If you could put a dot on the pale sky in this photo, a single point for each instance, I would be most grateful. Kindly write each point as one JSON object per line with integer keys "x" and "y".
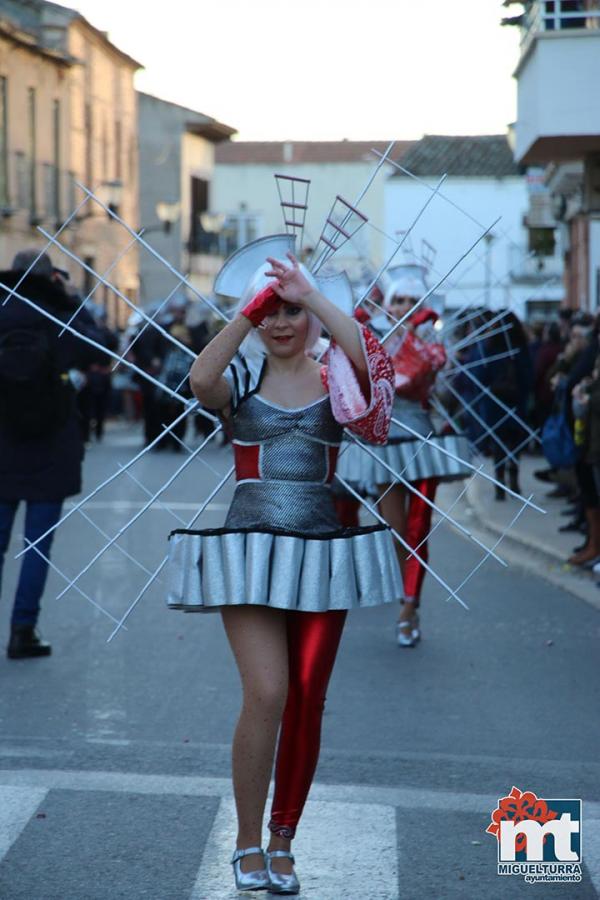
{"x": 323, "y": 69}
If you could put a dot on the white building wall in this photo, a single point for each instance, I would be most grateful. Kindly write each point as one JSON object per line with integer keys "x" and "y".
{"x": 553, "y": 99}
{"x": 451, "y": 232}
{"x": 252, "y": 188}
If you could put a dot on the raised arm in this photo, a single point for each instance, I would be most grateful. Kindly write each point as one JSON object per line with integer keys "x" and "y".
{"x": 295, "y": 288}
{"x": 206, "y": 375}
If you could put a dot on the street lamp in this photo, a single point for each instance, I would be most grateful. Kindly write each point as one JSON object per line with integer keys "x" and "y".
{"x": 168, "y": 214}
{"x": 111, "y": 194}
{"x": 489, "y": 237}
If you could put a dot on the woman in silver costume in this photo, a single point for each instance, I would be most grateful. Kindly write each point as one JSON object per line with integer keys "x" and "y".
{"x": 282, "y": 571}
{"x": 407, "y": 505}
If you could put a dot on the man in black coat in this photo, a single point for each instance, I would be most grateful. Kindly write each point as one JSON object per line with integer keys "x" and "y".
{"x": 41, "y": 446}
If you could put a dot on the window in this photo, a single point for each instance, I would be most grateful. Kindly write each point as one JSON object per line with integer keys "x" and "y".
{"x": 239, "y": 229}
{"x": 200, "y": 240}
{"x": 89, "y": 148}
{"x": 88, "y": 279}
{"x": 118, "y": 150}
{"x": 542, "y": 241}
{"x": 56, "y": 161}
{"x": 4, "y": 195}
{"x": 31, "y": 152}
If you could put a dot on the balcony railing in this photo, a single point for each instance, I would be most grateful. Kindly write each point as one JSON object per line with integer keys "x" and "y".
{"x": 541, "y": 16}
{"x": 529, "y": 268}
{"x": 45, "y": 193}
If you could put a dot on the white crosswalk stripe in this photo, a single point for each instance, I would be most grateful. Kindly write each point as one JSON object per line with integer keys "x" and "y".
{"x": 342, "y": 850}
{"x": 17, "y": 805}
{"x": 346, "y": 845}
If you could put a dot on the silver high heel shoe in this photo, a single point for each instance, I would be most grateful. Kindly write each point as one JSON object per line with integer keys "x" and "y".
{"x": 249, "y": 881}
{"x": 405, "y": 634}
{"x": 281, "y": 884}
{"x": 416, "y": 628}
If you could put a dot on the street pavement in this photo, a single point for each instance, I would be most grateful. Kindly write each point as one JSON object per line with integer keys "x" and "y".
{"x": 115, "y": 761}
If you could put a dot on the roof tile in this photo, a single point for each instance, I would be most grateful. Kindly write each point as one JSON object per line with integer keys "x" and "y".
{"x": 297, "y": 152}
{"x": 439, "y": 154}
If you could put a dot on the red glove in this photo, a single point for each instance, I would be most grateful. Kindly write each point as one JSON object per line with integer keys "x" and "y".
{"x": 361, "y": 315}
{"x": 265, "y": 303}
{"x": 424, "y": 314}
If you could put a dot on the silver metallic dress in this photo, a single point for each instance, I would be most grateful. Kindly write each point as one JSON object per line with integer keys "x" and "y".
{"x": 282, "y": 544}
{"x": 404, "y": 453}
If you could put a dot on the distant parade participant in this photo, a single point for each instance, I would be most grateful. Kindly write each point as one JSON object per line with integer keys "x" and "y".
{"x": 282, "y": 571}
{"x": 406, "y": 505}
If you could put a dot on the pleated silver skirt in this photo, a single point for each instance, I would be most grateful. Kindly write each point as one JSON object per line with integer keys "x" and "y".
{"x": 345, "y": 569}
{"x": 412, "y": 459}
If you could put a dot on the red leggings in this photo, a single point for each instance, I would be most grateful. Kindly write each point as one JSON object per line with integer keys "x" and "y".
{"x": 313, "y": 640}
{"x": 418, "y": 526}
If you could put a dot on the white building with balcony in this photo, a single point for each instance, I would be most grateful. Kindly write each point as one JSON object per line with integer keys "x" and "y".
{"x": 246, "y": 196}
{"x": 519, "y": 265}
{"x": 558, "y": 127}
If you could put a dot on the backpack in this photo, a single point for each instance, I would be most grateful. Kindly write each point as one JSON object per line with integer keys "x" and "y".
{"x": 35, "y": 396}
{"x": 558, "y": 444}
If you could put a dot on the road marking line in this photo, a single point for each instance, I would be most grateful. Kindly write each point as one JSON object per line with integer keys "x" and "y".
{"x": 351, "y": 848}
{"x": 17, "y": 805}
{"x": 198, "y": 786}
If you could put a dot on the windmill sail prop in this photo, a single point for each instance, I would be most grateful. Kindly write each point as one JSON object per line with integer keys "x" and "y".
{"x": 293, "y": 199}
{"x": 342, "y": 223}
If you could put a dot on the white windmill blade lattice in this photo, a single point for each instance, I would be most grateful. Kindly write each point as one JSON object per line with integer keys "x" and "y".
{"x": 113, "y": 477}
{"x": 341, "y": 224}
{"x": 495, "y": 357}
{"x": 140, "y": 513}
{"x": 106, "y": 537}
{"x": 10, "y": 292}
{"x": 188, "y": 284}
{"x": 91, "y": 271}
{"x": 400, "y": 244}
{"x": 89, "y": 296}
{"x": 428, "y": 253}
{"x": 438, "y": 284}
{"x": 463, "y": 462}
{"x": 161, "y": 566}
{"x": 293, "y": 198}
{"x": 147, "y": 322}
{"x": 342, "y": 228}
{"x": 82, "y": 593}
{"x": 503, "y": 534}
{"x": 404, "y": 238}
{"x": 374, "y": 512}
{"x": 105, "y": 350}
{"x": 397, "y": 165}
{"x": 499, "y": 282}
{"x": 492, "y": 397}
{"x": 399, "y": 479}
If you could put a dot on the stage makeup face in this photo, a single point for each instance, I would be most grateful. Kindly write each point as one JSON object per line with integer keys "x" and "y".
{"x": 284, "y": 333}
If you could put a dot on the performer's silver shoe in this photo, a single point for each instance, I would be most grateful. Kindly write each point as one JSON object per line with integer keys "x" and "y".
{"x": 281, "y": 884}
{"x": 250, "y": 881}
{"x": 405, "y": 633}
{"x": 416, "y": 628}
